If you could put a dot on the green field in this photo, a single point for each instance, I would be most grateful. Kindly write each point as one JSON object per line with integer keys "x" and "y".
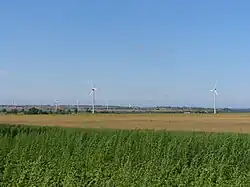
{"x": 53, "y": 156}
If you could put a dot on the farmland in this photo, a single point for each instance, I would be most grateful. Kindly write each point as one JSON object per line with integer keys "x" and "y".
{"x": 112, "y": 153}
{"x": 176, "y": 122}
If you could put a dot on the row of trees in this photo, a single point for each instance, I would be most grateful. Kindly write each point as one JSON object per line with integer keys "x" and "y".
{"x": 35, "y": 110}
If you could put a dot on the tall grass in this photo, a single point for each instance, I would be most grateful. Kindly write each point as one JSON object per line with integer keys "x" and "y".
{"x": 46, "y": 156}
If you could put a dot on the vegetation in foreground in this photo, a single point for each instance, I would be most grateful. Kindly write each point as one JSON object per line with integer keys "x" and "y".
{"x": 49, "y": 156}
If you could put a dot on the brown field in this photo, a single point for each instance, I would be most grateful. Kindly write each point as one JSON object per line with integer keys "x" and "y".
{"x": 176, "y": 122}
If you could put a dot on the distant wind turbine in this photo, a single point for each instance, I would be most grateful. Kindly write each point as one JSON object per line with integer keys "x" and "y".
{"x": 13, "y": 102}
{"x": 93, "y": 90}
{"x": 107, "y": 105}
{"x": 14, "y": 105}
{"x": 215, "y": 93}
{"x": 188, "y": 107}
{"x": 77, "y": 105}
{"x": 56, "y": 104}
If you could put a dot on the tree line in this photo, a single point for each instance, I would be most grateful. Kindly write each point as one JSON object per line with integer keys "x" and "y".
{"x": 35, "y": 110}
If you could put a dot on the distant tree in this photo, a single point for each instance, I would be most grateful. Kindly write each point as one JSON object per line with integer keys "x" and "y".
{"x": 60, "y": 111}
{"x": 69, "y": 111}
{"x": 226, "y": 110}
{"x": 14, "y": 111}
{"x": 76, "y": 110}
{"x": 88, "y": 110}
{"x": 4, "y": 110}
{"x": 64, "y": 111}
{"x": 43, "y": 112}
{"x": 33, "y": 110}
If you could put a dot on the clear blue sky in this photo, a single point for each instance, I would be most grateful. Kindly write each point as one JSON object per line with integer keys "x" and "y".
{"x": 136, "y": 51}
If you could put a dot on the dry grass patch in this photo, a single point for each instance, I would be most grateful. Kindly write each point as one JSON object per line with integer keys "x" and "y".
{"x": 183, "y": 122}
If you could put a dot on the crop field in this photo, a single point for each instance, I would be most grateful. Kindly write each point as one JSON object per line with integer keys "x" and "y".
{"x": 53, "y": 156}
{"x": 107, "y": 150}
{"x": 176, "y": 122}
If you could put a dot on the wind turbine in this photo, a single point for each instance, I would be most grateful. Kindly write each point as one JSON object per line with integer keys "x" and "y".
{"x": 107, "y": 105}
{"x": 13, "y": 102}
{"x": 93, "y": 90}
{"x": 14, "y": 105}
{"x": 214, "y": 90}
{"x": 77, "y": 105}
{"x": 188, "y": 107}
{"x": 56, "y": 104}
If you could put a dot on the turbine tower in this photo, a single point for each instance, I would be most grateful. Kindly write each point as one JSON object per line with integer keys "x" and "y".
{"x": 215, "y": 93}
{"x": 77, "y": 105}
{"x": 14, "y": 103}
{"x": 93, "y": 90}
{"x": 107, "y": 105}
{"x": 56, "y": 104}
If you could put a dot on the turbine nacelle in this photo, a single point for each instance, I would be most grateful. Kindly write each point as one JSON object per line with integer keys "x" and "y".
{"x": 215, "y": 91}
{"x": 92, "y": 90}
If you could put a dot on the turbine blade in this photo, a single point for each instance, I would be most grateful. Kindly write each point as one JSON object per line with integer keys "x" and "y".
{"x": 91, "y": 83}
{"x": 215, "y": 84}
{"x": 91, "y": 92}
{"x": 216, "y": 92}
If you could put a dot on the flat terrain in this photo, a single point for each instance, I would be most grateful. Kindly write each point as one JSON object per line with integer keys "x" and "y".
{"x": 178, "y": 122}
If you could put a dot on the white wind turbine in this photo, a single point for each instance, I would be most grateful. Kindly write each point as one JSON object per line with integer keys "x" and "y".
{"x": 107, "y": 105}
{"x": 56, "y": 104}
{"x": 14, "y": 103}
{"x": 77, "y": 105}
{"x": 93, "y": 90}
{"x": 215, "y": 93}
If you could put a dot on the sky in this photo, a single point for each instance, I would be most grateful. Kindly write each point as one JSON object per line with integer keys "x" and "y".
{"x": 138, "y": 52}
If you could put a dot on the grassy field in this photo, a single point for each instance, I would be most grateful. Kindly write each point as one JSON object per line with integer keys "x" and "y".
{"x": 53, "y": 156}
{"x": 177, "y": 122}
